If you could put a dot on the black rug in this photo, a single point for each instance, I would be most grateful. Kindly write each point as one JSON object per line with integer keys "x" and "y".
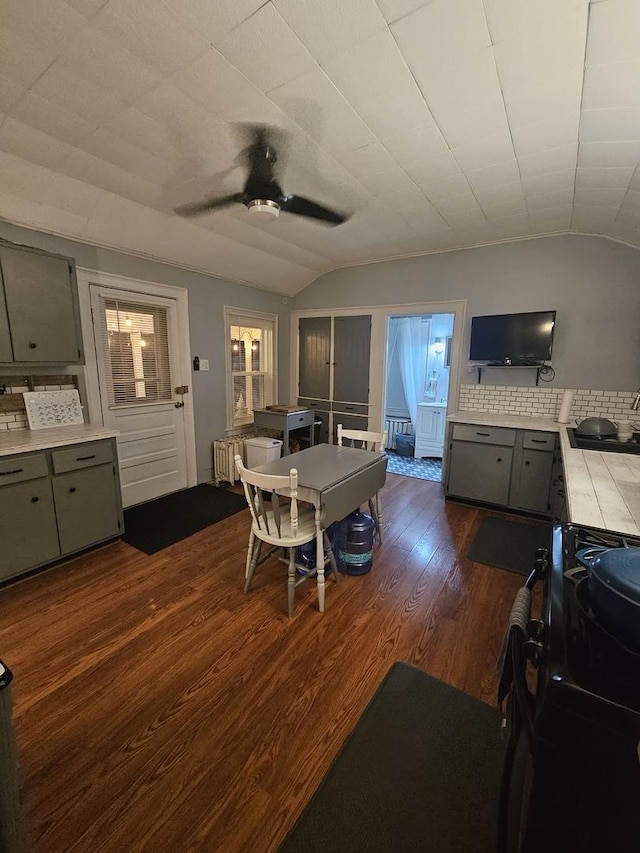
{"x": 420, "y": 772}
{"x": 509, "y": 545}
{"x": 155, "y": 525}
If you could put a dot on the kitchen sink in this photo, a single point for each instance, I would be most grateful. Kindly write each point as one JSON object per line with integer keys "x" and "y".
{"x": 604, "y": 444}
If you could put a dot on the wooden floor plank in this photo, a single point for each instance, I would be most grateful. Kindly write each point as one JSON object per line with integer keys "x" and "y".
{"x": 157, "y": 707}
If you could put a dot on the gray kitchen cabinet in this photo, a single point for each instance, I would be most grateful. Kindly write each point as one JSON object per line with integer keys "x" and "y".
{"x": 496, "y": 465}
{"x": 57, "y": 502}
{"x": 39, "y": 311}
{"x": 27, "y": 527}
{"x": 334, "y": 357}
{"x": 480, "y": 471}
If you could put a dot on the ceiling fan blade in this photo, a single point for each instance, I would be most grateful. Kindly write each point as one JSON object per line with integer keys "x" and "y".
{"x": 199, "y": 207}
{"x": 305, "y": 207}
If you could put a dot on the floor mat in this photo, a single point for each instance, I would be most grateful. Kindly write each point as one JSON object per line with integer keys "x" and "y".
{"x": 420, "y": 773}
{"x": 509, "y": 545}
{"x": 155, "y": 525}
{"x": 423, "y": 469}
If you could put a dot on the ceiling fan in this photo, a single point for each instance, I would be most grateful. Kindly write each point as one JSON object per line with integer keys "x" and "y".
{"x": 262, "y": 193}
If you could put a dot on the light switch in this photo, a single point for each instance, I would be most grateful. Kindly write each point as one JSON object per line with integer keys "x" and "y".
{"x": 204, "y": 364}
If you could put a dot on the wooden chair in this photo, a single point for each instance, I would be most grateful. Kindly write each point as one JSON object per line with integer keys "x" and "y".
{"x": 367, "y": 440}
{"x": 279, "y": 524}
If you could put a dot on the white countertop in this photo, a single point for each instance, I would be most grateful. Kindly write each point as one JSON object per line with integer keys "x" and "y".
{"x": 602, "y": 489}
{"x": 23, "y": 440}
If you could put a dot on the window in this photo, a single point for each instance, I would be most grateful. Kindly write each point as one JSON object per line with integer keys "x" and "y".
{"x": 251, "y": 348}
{"x": 136, "y": 344}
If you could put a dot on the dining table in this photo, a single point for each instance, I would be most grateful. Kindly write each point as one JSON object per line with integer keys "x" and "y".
{"x": 335, "y": 480}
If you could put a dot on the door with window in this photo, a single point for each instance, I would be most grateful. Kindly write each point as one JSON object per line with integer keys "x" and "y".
{"x": 140, "y": 389}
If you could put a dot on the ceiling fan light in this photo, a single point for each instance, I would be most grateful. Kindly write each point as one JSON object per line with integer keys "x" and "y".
{"x": 263, "y": 205}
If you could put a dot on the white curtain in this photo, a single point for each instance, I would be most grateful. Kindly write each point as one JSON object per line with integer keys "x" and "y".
{"x": 410, "y": 336}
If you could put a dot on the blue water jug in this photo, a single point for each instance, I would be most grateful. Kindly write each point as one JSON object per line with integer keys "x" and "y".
{"x": 355, "y": 543}
{"x": 306, "y": 554}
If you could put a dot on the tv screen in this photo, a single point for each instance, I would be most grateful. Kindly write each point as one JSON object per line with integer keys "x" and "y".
{"x": 513, "y": 338}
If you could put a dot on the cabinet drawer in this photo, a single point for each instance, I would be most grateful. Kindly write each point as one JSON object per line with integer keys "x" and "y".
{"x": 351, "y": 408}
{"x": 82, "y": 456}
{"x": 17, "y": 469}
{"x": 539, "y": 440}
{"x": 484, "y": 434}
{"x": 319, "y": 405}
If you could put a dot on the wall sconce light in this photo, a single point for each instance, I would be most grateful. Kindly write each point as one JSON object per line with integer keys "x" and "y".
{"x": 438, "y": 346}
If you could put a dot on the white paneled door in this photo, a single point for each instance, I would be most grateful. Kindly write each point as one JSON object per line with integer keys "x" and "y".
{"x": 138, "y": 365}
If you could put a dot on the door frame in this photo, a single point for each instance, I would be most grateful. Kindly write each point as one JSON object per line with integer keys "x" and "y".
{"x": 139, "y": 287}
{"x": 380, "y": 316}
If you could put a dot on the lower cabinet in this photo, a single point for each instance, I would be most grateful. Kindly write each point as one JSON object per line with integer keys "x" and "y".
{"x": 430, "y": 430}
{"x": 507, "y": 467}
{"x": 69, "y": 500}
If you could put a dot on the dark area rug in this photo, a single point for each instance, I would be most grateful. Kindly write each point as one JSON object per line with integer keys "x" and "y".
{"x": 509, "y": 545}
{"x": 155, "y": 525}
{"x": 420, "y": 772}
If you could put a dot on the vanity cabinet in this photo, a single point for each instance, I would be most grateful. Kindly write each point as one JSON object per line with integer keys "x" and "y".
{"x": 56, "y": 502}
{"x": 430, "y": 430}
{"x": 39, "y": 309}
{"x": 511, "y": 468}
{"x": 333, "y": 371}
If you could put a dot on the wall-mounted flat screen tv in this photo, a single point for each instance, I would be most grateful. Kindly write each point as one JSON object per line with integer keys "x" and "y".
{"x": 513, "y": 338}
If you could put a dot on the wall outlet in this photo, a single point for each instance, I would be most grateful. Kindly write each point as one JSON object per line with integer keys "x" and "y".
{"x": 204, "y": 364}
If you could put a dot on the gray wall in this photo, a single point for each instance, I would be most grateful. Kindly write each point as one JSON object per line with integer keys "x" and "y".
{"x": 207, "y": 297}
{"x": 592, "y": 283}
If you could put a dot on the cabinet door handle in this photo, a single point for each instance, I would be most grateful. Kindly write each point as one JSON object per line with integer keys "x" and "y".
{"x": 72, "y": 489}
{"x": 528, "y": 462}
{"x": 32, "y": 345}
{"x": 499, "y": 459}
{"x": 13, "y": 471}
{"x": 538, "y": 441}
{"x": 487, "y": 434}
{"x": 34, "y": 500}
{"x": 85, "y": 458}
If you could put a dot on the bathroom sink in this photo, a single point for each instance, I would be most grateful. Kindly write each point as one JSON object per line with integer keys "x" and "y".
{"x": 611, "y": 445}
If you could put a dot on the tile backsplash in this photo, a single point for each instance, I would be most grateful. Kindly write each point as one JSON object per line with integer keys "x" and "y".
{"x": 12, "y": 411}
{"x": 545, "y": 402}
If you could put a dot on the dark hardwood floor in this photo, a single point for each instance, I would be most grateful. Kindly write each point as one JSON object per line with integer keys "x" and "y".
{"x": 159, "y": 708}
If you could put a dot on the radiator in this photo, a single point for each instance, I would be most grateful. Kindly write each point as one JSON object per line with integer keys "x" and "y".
{"x": 394, "y": 427}
{"x": 224, "y": 450}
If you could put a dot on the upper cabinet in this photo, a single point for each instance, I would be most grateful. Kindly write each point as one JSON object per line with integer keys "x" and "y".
{"x": 39, "y": 313}
{"x": 348, "y": 370}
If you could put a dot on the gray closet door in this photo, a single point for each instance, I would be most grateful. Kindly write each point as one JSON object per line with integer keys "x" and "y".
{"x": 40, "y": 304}
{"x": 315, "y": 350}
{"x": 6, "y": 353}
{"x": 352, "y": 345}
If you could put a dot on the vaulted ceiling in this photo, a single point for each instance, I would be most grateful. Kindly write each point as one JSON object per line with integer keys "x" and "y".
{"x": 438, "y": 124}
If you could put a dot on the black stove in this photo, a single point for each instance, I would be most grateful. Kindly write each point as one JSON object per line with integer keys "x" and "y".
{"x": 572, "y": 778}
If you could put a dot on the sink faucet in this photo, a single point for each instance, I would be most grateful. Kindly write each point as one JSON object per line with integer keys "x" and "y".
{"x": 636, "y": 401}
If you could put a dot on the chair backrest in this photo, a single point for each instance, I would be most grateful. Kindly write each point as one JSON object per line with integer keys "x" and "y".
{"x": 256, "y": 484}
{"x": 361, "y": 438}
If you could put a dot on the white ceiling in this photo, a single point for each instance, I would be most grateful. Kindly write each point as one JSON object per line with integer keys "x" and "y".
{"x": 438, "y": 123}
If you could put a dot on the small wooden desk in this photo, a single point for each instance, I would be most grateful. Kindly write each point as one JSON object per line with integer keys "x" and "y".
{"x": 336, "y": 480}
{"x": 285, "y": 422}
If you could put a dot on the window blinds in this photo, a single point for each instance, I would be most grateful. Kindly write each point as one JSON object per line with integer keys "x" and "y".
{"x": 135, "y": 345}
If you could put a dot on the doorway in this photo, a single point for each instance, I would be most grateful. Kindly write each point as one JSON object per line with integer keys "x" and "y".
{"x": 138, "y": 367}
{"x": 417, "y": 392}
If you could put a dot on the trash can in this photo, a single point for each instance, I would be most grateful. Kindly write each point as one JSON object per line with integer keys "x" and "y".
{"x": 261, "y": 450}
{"x": 405, "y": 445}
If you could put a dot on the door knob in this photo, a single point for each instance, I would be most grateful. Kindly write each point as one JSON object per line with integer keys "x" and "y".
{"x": 179, "y": 405}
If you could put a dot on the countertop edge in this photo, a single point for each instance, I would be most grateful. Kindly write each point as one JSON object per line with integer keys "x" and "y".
{"x": 27, "y": 440}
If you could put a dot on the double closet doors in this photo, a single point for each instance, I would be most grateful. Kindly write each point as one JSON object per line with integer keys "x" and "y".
{"x": 333, "y": 371}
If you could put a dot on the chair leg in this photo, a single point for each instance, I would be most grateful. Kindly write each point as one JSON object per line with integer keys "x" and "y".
{"x": 252, "y": 566}
{"x": 375, "y": 508}
{"x": 252, "y": 539}
{"x": 291, "y": 584}
{"x": 330, "y": 557}
{"x": 320, "y": 562}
